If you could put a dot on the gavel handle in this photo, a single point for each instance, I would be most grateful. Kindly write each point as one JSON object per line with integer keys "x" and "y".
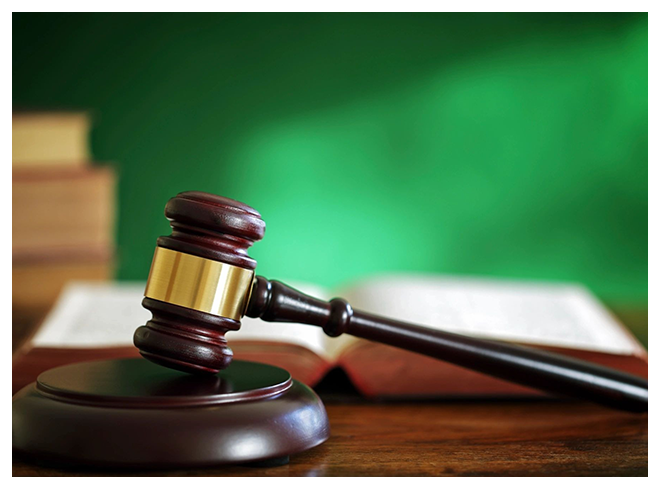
{"x": 277, "y": 302}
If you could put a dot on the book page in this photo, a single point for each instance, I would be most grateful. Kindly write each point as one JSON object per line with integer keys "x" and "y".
{"x": 95, "y": 315}
{"x": 561, "y": 315}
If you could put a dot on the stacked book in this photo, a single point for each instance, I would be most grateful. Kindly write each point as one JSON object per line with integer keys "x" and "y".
{"x": 62, "y": 209}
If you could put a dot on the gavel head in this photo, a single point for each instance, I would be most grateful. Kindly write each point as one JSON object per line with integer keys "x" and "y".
{"x": 200, "y": 282}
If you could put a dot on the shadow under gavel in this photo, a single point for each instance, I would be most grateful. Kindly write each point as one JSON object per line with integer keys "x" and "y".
{"x": 202, "y": 282}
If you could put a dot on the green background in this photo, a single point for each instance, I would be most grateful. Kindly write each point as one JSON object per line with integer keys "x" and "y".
{"x": 509, "y": 145}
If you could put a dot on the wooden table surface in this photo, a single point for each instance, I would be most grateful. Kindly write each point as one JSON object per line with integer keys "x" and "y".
{"x": 441, "y": 438}
{"x": 532, "y": 438}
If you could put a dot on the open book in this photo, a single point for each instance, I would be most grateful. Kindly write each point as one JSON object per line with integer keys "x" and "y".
{"x": 564, "y": 318}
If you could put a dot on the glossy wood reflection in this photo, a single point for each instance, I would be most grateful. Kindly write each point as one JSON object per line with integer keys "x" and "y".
{"x": 541, "y": 438}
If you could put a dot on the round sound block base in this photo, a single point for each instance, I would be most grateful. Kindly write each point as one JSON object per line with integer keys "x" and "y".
{"x": 131, "y": 413}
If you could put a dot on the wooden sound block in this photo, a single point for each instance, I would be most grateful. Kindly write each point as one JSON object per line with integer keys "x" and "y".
{"x": 133, "y": 413}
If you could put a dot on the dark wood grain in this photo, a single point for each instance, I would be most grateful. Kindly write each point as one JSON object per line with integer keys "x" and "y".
{"x": 542, "y": 438}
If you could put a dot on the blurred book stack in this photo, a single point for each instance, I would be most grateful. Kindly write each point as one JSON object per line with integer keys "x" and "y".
{"x": 62, "y": 208}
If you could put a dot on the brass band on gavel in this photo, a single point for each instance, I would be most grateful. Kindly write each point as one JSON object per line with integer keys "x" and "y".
{"x": 199, "y": 283}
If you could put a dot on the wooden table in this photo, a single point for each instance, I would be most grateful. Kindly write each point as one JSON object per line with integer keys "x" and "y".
{"x": 533, "y": 438}
{"x": 489, "y": 438}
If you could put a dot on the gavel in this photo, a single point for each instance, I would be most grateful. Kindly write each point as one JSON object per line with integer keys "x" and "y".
{"x": 202, "y": 282}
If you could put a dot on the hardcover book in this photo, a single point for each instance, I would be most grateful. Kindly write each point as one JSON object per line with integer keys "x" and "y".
{"x": 95, "y": 320}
